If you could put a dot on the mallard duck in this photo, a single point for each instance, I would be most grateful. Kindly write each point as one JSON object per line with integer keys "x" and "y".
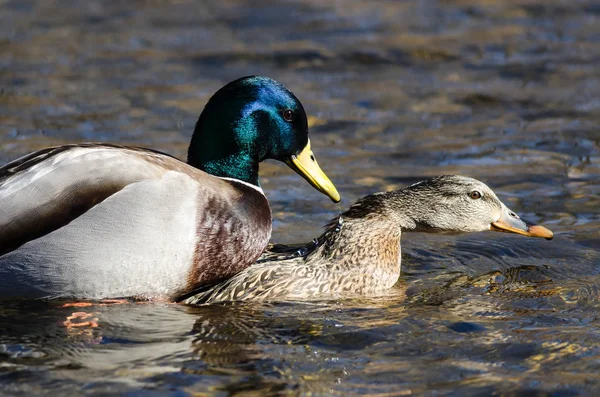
{"x": 101, "y": 221}
{"x": 359, "y": 252}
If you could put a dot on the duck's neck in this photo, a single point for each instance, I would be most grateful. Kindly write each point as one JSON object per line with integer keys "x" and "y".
{"x": 238, "y": 166}
{"x": 226, "y": 149}
{"x": 364, "y": 242}
{"x": 367, "y": 250}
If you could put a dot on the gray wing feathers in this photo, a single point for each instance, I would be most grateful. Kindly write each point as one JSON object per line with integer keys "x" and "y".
{"x": 155, "y": 226}
{"x": 52, "y": 192}
{"x": 99, "y": 221}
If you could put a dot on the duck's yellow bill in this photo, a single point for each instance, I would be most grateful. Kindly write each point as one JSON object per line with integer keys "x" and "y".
{"x": 305, "y": 164}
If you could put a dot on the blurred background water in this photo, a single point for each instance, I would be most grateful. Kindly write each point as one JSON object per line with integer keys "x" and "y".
{"x": 506, "y": 92}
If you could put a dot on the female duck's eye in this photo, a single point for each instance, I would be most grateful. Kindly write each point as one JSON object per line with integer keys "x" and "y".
{"x": 288, "y": 115}
{"x": 475, "y": 195}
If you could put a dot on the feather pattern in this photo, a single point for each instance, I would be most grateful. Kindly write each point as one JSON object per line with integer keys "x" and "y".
{"x": 359, "y": 252}
{"x": 167, "y": 213}
{"x": 103, "y": 221}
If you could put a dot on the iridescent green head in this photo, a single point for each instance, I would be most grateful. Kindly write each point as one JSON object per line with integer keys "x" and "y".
{"x": 250, "y": 120}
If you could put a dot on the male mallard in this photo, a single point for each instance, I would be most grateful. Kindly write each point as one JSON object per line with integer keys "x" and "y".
{"x": 99, "y": 221}
{"x": 359, "y": 253}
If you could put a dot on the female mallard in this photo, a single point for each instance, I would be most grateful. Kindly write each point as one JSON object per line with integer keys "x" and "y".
{"x": 361, "y": 255}
{"x": 98, "y": 221}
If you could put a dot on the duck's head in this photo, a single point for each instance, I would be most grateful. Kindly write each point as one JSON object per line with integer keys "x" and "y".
{"x": 449, "y": 204}
{"x": 250, "y": 120}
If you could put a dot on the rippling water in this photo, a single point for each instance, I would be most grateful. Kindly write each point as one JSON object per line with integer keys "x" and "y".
{"x": 507, "y": 92}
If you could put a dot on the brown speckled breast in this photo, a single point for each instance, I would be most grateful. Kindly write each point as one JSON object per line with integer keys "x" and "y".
{"x": 234, "y": 228}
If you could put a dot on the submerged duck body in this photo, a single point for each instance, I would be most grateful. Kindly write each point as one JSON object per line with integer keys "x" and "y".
{"x": 100, "y": 221}
{"x": 359, "y": 253}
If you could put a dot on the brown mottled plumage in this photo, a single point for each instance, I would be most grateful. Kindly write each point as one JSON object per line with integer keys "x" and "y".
{"x": 359, "y": 253}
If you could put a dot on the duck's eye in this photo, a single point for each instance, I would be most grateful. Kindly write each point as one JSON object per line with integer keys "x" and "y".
{"x": 475, "y": 195}
{"x": 288, "y": 115}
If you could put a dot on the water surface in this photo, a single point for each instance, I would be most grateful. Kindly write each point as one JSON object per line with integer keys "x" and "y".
{"x": 506, "y": 92}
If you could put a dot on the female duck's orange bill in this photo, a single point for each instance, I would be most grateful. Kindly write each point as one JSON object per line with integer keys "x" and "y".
{"x": 511, "y": 223}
